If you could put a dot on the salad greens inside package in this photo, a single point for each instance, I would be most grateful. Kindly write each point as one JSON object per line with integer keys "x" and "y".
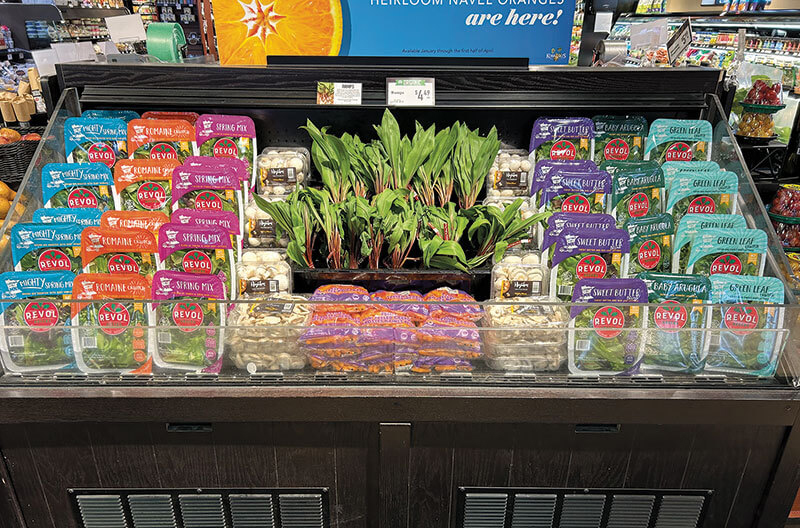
{"x": 190, "y": 334}
{"x": 144, "y": 185}
{"x": 741, "y": 340}
{"x": 559, "y": 222}
{"x": 651, "y": 244}
{"x": 637, "y": 194}
{"x": 586, "y": 254}
{"x": 545, "y": 167}
{"x": 225, "y": 136}
{"x": 223, "y": 165}
{"x": 125, "y": 115}
{"x": 32, "y": 329}
{"x": 702, "y": 193}
{"x": 729, "y": 251}
{"x": 110, "y": 334}
{"x": 606, "y": 339}
{"x": 223, "y": 219}
{"x": 572, "y": 192}
{"x": 89, "y": 140}
{"x": 65, "y": 215}
{"x": 619, "y": 138}
{"x": 673, "y": 168}
{"x": 119, "y": 251}
{"x": 46, "y": 247}
{"x": 77, "y": 186}
{"x": 160, "y": 139}
{"x": 149, "y": 221}
{"x": 569, "y": 138}
{"x": 613, "y": 167}
{"x": 194, "y": 188}
{"x": 690, "y": 225}
{"x": 679, "y": 140}
{"x": 676, "y": 327}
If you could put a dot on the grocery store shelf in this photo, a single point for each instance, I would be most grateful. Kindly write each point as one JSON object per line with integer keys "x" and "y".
{"x": 92, "y": 12}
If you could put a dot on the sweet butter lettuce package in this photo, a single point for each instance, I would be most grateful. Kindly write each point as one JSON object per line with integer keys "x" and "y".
{"x": 89, "y": 140}
{"x": 651, "y": 244}
{"x": 65, "y": 215}
{"x": 559, "y": 222}
{"x": 144, "y": 185}
{"x": 568, "y": 138}
{"x": 570, "y": 192}
{"x": 160, "y": 139}
{"x": 77, "y": 186}
{"x": 119, "y": 251}
{"x": 545, "y": 167}
{"x": 46, "y": 247}
{"x": 226, "y": 136}
{"x": 636, "y": 194}
{"x": 150, "y": 221}
{"x": 703, "y": 193}
{"x": 690, "y": 225}
{"x": 730, "y": 251}
{"x": 679, "y": 140}
{"x": 619, "y": 138}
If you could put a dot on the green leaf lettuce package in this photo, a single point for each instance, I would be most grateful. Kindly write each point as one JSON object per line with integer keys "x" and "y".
{"x": 690, "y": 225}
{"x": 702, "y": 193}
{"x": 679, "y": 140}
{"x": 728, "y": 251}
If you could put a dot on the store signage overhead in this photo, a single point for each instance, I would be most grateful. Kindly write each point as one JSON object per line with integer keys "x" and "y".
{"x": 410, "y": 92}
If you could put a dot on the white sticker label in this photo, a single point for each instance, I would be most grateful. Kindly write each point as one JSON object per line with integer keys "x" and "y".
{"x": 334, "y": 93}
{"x": 410, "y": 92}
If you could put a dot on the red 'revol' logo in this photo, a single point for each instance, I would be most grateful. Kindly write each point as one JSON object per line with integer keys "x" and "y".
{"x": 617, "y": 150}
{"x": 81, "y": 198}
{"x": 163, "y": 151}
{"x": 741, "y": 319}
{"x": 54, "y": 260}
{"x": 122, "y": 264}
{"x": 187, "y": 315}
{"x": 101, "y": 153}
{"x": 591, "y": 267}
{"x": 608, "y": 322}
{"x": 196, "y": 262}
{"x": 225, "y": 148}
{"x": 649, "y": 254}
{"x": 563, "y": 150}
{"x": 151, "y": 196}
{"x": 208, "y": 201}
{"x": 679, "y": 152}
{"x": 113, "y": 318}
{"x": 638, "y": 205}
{"x": 40, "y": 316}
{"x": 702, "y": 205}
{"x": 726, "y": 263}
{"x": 670, "y": 316}
{"x": 576, "y": 203}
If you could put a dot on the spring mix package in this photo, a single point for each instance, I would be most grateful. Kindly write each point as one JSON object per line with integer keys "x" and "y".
{"x": 225, "y": 136}
{"x": 190, "y": 334}
{"x": 144, "y": 184}
{"x": 651, "y": 244}
{"x": 110, "y": 334}
{"x": 676, "y": 327}
{"x": 224, "y": 219}
{"x": 568, "y": 138}
{"x": 118, "y": 251}
{"x": 636, "y": 194}
{"x": 65, "y": 215}
{"x": 619, "y": 138}
{"x": 690, "y": 225}
{"x": 729, "y": 251}
{"x": 32, "y": 333}
{"x": 206, "y": 191}
{"x": 703, "y": 193}
{"x": 223, "y": 165}
{"x": 147, "y": 220}
{"x": 95, "y": 140}
{"x": 545, "y": 167}
{"x": 740, "y": 341}
{"x": 160, "y": 139}
{"x": 679, "y": 140}
{"x": 605, "y": 331}
{"x": 77, "y": 186}
{"x": 46, "y": 247}
{"x": 125, "y": 115}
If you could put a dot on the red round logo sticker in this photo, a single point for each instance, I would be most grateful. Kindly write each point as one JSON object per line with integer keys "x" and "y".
{"x": 649, "y": 254}
{"x": 163, "y": 151}
{"x": 40, "y": 316}
{"x": 208, "y": 201}
{"x": 702, "y": 205}
{"x": 591, "y": 267}
{"x": 670, "y": 316}
{"x": 563, "y": 150}
{"x": 113, "y": 318}
{"x": 741, "y": 319}
{"x": 187, "y": 315}
{"x": 576, "y": 203}
{"x": 151, "y": 196}
{"x": 608, "y": 322}
{"x": 54, "y": 260}
{"x": 679, "y": 152}
{"x": 617, "y": 150}
{"x": 638, "y": 205}
{"x": 101, "y": 153}
{"x": 726, "y": 263}
{"x": 196, "y": 262}
{"x": 81, "y": 198}
{"x": 225, "y": 148}
{"x": 122, "y": 264}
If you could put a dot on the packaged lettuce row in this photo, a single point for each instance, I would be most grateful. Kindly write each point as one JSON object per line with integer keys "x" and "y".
{"x": 65, "y": 215}
{"x": 676, "y": 328}
{"x": 545, "y": 167}
{"x": 46, "y": 247}
{"x": 226, "y": 136}
{"x": 147, "y": 220}
{"x": 194, "y": 188}
{"x": 568, "y": 138}
{"x": 570, "y": 192}
{"x": 690, "y": 225}
{"x": 679, "y": 140}
{"x": 190, "y": 333}
{"x": 673, "y": 168}
{"x": 559, "y": 222}
{"x": 223, "y": 165}
{"x": 224, "y": 219}
{"x": 89, "y": 140}
{"x": 606, "y": 340}
{"x": 702, "y": 193}
{"x": 613, "y": 167}
{"x": 160, "y": 139}
{"x": 144, "y": 185}
{"x": 619, "y": 138}
{"x": 637, "y": 194}
{"x": 586, "y": 254}
{"x": 33, "y": 336}
{"x": 651, "y": 244}
{"x": 77, "y": 186}
{"x": 125, "y": 115}
{"x": 110, "y": 334}
{"x": 728, "y": 251}
{"x": 118, "y": 251}
{"x": 204, "y": 250}
{"x": 740, "y": 340}
{"x": 189, "y": 117}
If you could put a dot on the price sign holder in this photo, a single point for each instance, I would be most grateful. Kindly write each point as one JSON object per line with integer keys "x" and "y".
{"x": 680, "y": 41}
{"x": 410, "y": 92}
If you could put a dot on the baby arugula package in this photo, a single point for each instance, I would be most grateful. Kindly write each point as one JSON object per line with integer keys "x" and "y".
{"x": 160, "y": 139}
{"x": 190, "y": 334}
{"x": 65, "y": 215}
{"x": 690, "y": 225}
{"x": 46, "y": 247}
{"x": 619, "y": 138}
{"x": 545, "y": 167}
{"x": 77, "y": 186}
{"x": 34, "y": 333}
{"x": 605, "y": 327}
{"x": 568, "y": 138}
{"x": 225, "y": 136}
{"x": 144, "y": 185}
{"x": 679, "y": 140}
{"x": 703, "y": 193}
{"x": 651, "y": 244}
{"x": 636, "y": 194}
{"x": 728, "y": 251}
{"x": 615, "y": 167}
{"x": 95, "y": 140}
{"x": 118, "y": 251}
{"x": 149, "y": 221}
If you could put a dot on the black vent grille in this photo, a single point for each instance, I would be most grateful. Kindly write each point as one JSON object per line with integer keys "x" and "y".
{"x": 252, "y": 511}
{"x": 301, "y": 510}
{"x": 485, "y": 510}
{"x": 152, "y": 511}
{"x": 102, "y": 511}
{"x": 680, "y": 512}
{"x": 533, "y": 511}
{"x": 631, "y": 511}
{"x": 582, "y": 511}
{"x": 202, "y": 511}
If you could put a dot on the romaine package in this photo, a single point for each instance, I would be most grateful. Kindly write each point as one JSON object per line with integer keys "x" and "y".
{"x": 46, "y": 247}
{"x": 673, "y": 168}
{"x": 144, "y": 185}
{"x": 567, "y": 138}
{"x": 570, "y": 192}
{"x": 147, "y": 220}
{"x": 586, "y": 254}
{"x": 651, "y": 244}
{"x": 190, "y": 333}
{"x": 702, "y": 193}
{"x": 545, "y": 167}
{"x": 606, "y": 340}
{"x": 636, "y": 194}
{"x": 110, "y": 333}
{"x": 160, "y": 139}
{"x": 189, "y": 117}
{"x": 77, "y": 186}
{"x": 679, "y": 140}
{"x": 33, "y": 336}
{"x": 125, "y": 115}
{"x": 740, "y": 341}
{"x": 676, "y": 328}
{"x": 89, "y": 140}
{"x": 619, "y": 138}
{"x": 118, "y": 251}
{"x": 225, "y": 136}
{"x": 559, "y": 222}
{"x": 65, "y": 215}
{"x": 690, "y": 225}
{"x": 728, "y": 251}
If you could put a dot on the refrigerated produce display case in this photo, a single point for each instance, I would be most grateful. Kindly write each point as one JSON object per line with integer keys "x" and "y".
{"x": 342, "y": 400}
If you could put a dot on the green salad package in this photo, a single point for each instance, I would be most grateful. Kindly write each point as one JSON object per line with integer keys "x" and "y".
{"x": 679, "y": 140}
{"x": 690, "y": 225}
{"x": 34, "y": 326}
{"x": 161, "y": 139}
{"x": 190, "y": 334}
{"x": 728, "y": 251}
{"x": 144, "y": 185}
{"x": 124, "y": 115}
{"x": 651, "y": 244}
{"x": 46, "y": 247}
{"x": 225, "y": 136}
{"x": 619, "y": 138}
{"x": 673, "y": 168}
{"x": 119, "y": 251}
{"x": 207, "y": 190}
{"x": 615, "y": 167}
{"x": 636, "y": 194}
{"x": 702, "y": 193}
{"x": 77, "y": 186}
{"x": 568, "y": 138}
{"x": 65, "y": 215}
{"x": 88, "y": 140}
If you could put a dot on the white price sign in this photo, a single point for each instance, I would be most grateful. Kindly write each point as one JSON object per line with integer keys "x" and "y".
{"x": 410, "y": 92}
{"x": 680, "y": 41}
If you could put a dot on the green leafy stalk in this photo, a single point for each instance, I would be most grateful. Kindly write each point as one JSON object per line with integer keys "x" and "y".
{"x": 430, "y": 171}
{"x": 356, "y": 216}
{"x": 492, "y": 231}
{"x": 472, "y": 158}
{"x": 297, "y": 219}
{"x": 332, "y": 161}
{"x": 328, "y": 217}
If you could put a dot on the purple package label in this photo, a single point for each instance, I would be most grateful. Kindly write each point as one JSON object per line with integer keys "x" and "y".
{"x": 210, "y": 126}
{"x": 339, "y": 297}
{"x": 205, "y": 163}
{"x": 188, "y": 179}
{"x": 573, "y": 241}
{"x": 548, "y": 128}
{"x": 617, "y": 291}
{"x": 559, "y": 222}
{"x": 174, "y": 237}
{"x": 545, "y": 167}
{"x": 560, "y": 182}
{"x": 396, "y": 336}
{"x": 224, "y": 219}
{"x": 330, "y": 333}
{"x": 172, "y": 284}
